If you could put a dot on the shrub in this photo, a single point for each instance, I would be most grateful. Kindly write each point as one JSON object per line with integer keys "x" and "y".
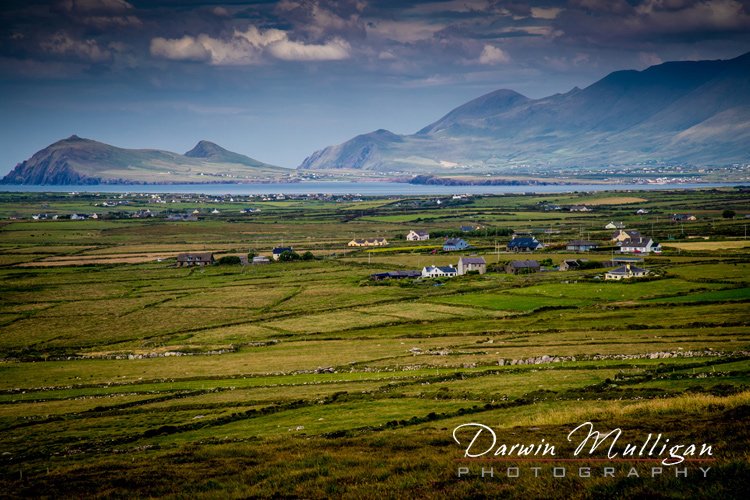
{"x": 229, "y": 260}
{"x": 289, "y": 256}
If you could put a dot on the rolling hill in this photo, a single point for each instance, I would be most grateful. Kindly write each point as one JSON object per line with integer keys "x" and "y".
{"x": 83, "y": 161}
{"x": 692, "y": 112}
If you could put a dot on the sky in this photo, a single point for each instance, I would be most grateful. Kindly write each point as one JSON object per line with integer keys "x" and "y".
{"x": 279, "y": 80}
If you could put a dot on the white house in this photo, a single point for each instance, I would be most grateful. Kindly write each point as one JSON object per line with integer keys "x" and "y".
{"x": 640, "y": 245}
{"x": 615, "y": 225}
{"x": 625, "y": 272}
{"x": 418, "y": 236}
{"x": 468, "y": 264}
{"x": 439, "y": 272}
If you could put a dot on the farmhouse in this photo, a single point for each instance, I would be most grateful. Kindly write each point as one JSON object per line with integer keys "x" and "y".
{"x": 524, "y": 244}
{"x": 395, "y": 275}
{"x": 468, "y": 229}
{"x": 195, "y": 259}
{"x": 580, "y": 208}
{"x": 640, "y": 245}
{"x": 620, "y": 236}
{"x": 522, "y": 267}
{"x": 683, "y": 218}
{"x": 455, "y": 244}
{"x": 439, "y": 272}
{"x": 570, "y": 265}
{"x": 418, "y": 236}
{"x": 370, "y": 242}
{"x": 625, "y": 272}
{"x": 581, "y": 246}
{"x": 277, "y": 251}
{"x": 615, "y": 225}
{"x": 469, "y": 264}
{"x": 260, "y": 259}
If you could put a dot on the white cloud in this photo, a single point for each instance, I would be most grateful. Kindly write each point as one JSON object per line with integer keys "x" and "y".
{"x": 247, "y": 47}
{"x": 186, "y": 48}
{"x": 545, "y": 12}
{"x": 334, "y": 50}
{"x": 493, "y": 55}
{"x": 62, "y": 44}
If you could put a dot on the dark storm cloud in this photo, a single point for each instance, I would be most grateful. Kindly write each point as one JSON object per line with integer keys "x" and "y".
{"x": 372, "y": 35}
{"x": 622, "y": 24}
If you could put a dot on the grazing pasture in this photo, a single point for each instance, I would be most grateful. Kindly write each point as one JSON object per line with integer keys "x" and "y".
{"x": 124, "y": 375}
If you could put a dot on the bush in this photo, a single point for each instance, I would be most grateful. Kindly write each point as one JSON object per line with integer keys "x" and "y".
{"x": 289, "y": 256}
{"x": 728, "y": 214}
{"x": 229, "y": 260}
{"x": 308, "y": 255}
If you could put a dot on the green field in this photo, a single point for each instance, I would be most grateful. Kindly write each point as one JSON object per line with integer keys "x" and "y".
{"x": 136, "y": 378}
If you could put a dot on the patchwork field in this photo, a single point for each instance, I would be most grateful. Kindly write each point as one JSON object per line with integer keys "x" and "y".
{"x": 125, "y": 376}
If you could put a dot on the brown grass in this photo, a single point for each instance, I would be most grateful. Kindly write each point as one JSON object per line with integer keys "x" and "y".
{"x": 710, "y": 245}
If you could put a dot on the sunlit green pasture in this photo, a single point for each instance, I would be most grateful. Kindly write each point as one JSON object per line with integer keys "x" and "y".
{"x": 306, "y": 379}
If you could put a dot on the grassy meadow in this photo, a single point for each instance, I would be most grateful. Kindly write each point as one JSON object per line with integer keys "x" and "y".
{"x": 122, "y": 375}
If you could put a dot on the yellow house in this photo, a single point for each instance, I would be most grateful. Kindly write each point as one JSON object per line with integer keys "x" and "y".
{"x": 370, "y": 242}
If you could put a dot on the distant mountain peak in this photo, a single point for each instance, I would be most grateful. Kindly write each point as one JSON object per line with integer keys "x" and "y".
{"x": 695, "y": 112}
{"x": 84, "y": 161}
{"x": 208, "y": 150}
{"x": 205, "y": 149}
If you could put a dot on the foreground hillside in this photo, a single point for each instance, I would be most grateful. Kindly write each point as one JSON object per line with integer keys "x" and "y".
{"x": 82, "y": 161}
{"x": 688, "y": 112}
{"x": 306, "y": 379}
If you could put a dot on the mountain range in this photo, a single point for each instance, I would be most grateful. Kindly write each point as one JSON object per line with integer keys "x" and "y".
{"x": 690, "y": 112}
{"x": 83, "y": 161}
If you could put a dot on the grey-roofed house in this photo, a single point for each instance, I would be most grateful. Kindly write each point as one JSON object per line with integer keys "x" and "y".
{"x": 581, "y": 246}
{"x": 455, "y": 244}
{"x": 570, "y": 265}
{"x": 524, "y": 244}
{"x": 640, "y": 245}
{"x": 439, "y": 272}
{"x": 418, "y": 236}
{"x": 471, "y": 264}
{"x": 195, "y": 259}
{"x": 626, "y": 272}
{"x": 522, "y": 267}
{"x": 620, "y": 235}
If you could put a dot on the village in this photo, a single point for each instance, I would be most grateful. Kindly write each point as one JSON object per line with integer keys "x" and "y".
{"x": 630, "y": 245}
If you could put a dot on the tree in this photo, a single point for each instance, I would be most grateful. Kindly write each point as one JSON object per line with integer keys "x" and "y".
{"x": 229, "y": 260}
{"x": 308, "y": 255}
{"x": 250, "y": 256}
{"x": 289, "y": 256}
{"x": 728, "y": 214}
